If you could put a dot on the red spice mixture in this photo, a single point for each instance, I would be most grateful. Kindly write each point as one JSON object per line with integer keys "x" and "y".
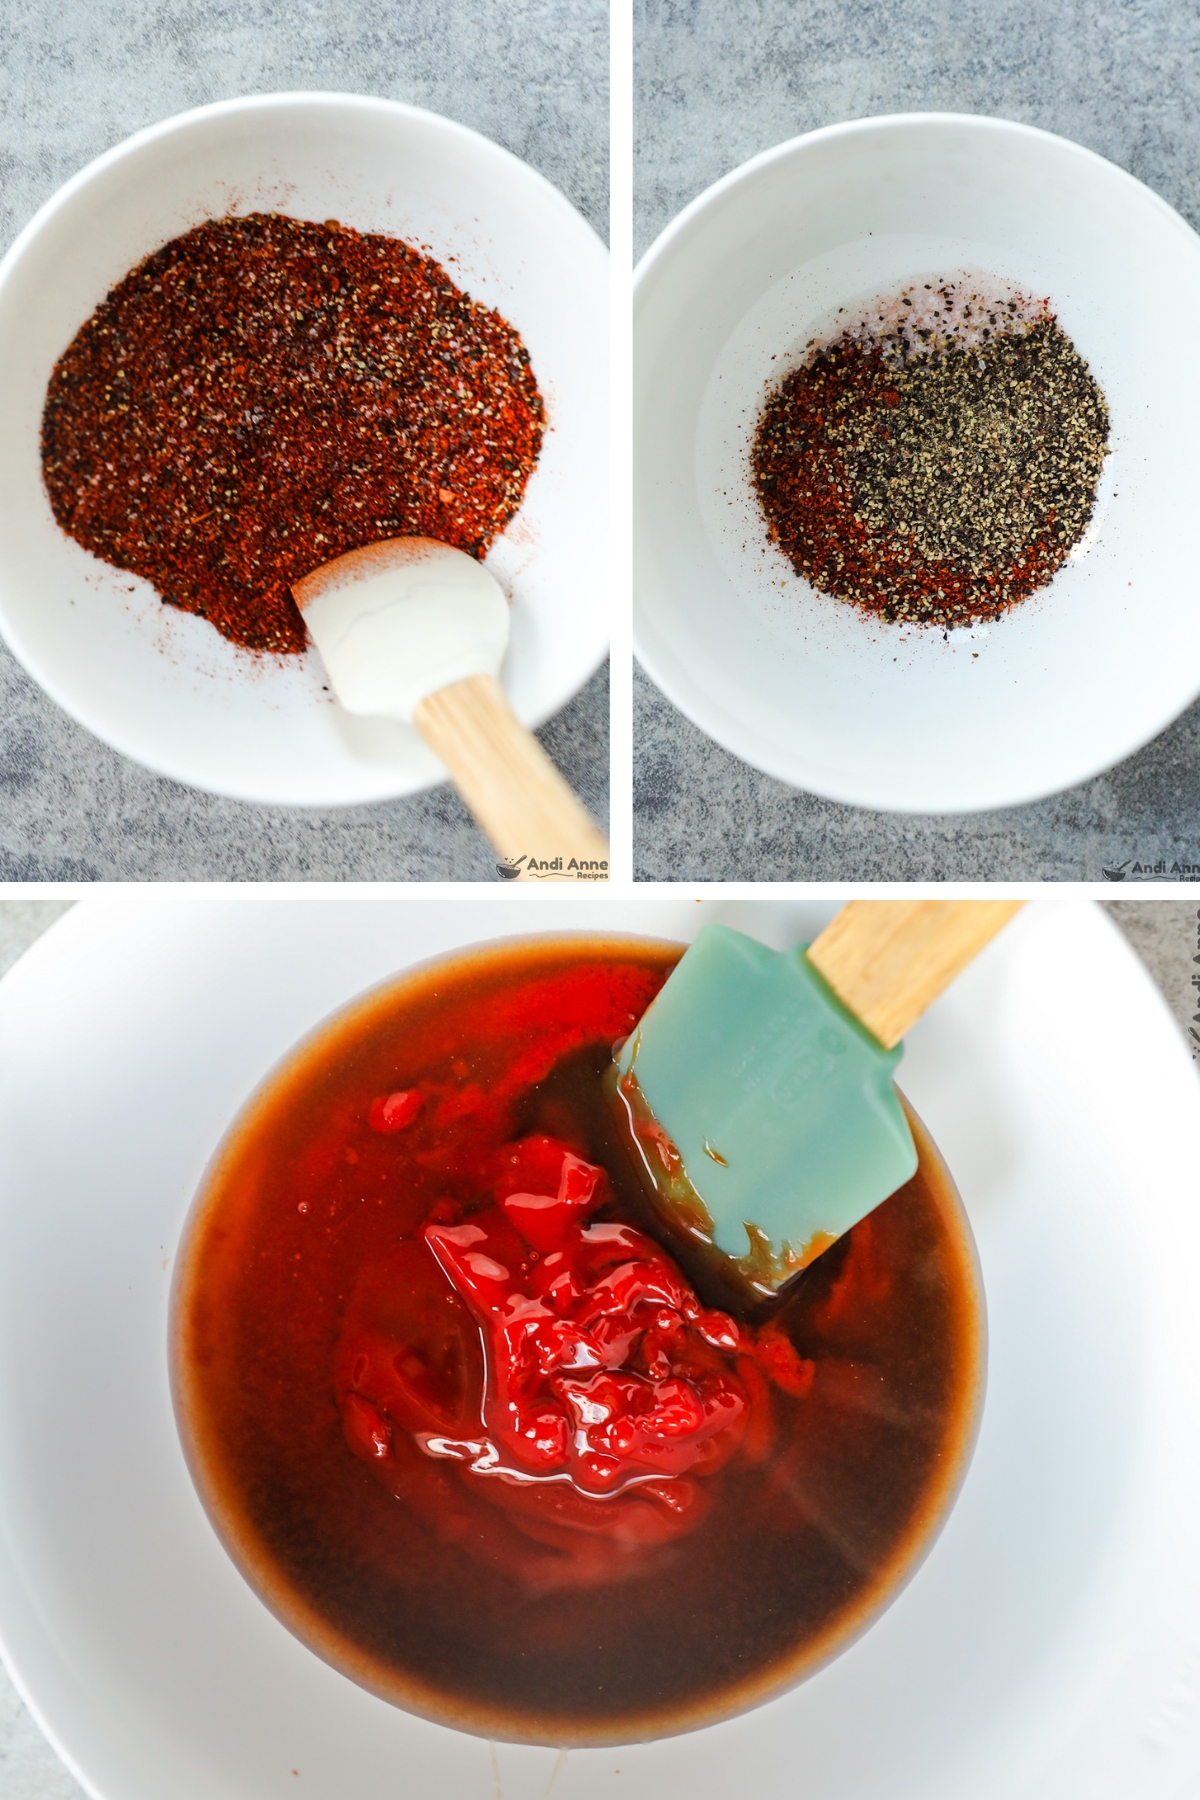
{"x": 605, "y": 1396}
{"x": 263, "y": 394}
{"x": 934, "y": 464}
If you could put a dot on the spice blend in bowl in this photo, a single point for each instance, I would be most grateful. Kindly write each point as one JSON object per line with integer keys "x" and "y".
{"x": 481, "y": 1441}
{"x": 981, "y": 711}
{"x": 264, "y": 394}
{"x": 936, "y": 462}
{"x": 162, "y": 685}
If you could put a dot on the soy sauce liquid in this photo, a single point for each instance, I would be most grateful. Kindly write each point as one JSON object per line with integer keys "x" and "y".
{"x": 795, "y": 1555}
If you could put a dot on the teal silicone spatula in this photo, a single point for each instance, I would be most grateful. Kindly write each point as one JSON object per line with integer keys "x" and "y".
{"x": 758, "y": 1084}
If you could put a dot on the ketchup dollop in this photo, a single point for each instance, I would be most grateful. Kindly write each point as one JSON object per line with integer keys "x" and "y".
{"x": 562, "y": 1365}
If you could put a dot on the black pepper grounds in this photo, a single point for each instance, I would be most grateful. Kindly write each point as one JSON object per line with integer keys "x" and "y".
{"x": 936, "y": 463}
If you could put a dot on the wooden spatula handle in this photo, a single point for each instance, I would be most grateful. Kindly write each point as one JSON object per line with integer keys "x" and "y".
{"x": 511, "y": 786}
{"x": 887, "y": 960}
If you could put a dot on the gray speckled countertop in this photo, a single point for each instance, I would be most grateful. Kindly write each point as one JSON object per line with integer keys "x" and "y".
{"x": 717, "y": 81}
{"x": 78, "y": 76}
{"x": 1163, "y": 932}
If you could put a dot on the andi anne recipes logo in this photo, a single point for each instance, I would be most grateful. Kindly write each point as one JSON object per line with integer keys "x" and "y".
{"x": 1133, "y": 870}
{"x": 552, "y": 868}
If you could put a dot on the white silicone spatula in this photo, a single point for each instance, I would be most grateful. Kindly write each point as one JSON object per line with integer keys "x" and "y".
{"x": 412, "y": 629}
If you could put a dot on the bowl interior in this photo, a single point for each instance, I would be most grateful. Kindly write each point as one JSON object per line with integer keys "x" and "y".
{"x": 802, "y": 685}
{"x": 919, "y": 1433}
{"x": 164, "y": 687}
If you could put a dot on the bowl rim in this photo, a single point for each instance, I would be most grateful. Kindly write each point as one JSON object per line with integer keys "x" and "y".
{"x": 83, "y": 713}
{"x": 726, "y": 730}
{"x": 763, "y": 159}
{"x": 331, "y": 97}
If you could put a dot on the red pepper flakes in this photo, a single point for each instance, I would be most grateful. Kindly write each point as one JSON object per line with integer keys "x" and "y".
{"x": 263, "y": 394}
{"x": 394, "y": 1112}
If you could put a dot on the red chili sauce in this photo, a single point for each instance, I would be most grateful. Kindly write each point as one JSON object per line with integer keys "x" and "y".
{"x": 479, "y": 1439}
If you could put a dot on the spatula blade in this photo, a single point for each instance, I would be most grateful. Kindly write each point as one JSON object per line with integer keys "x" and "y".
{"x": 780, "y": 1104}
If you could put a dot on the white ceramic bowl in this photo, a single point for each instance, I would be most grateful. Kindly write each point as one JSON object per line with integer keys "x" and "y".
{"x": 801, "y": 685}
{"x": 164, "y": 687}
{"x": 1045, "y": 1649}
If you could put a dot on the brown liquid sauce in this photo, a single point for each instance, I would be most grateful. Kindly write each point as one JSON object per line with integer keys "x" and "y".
{"x": 433, "y": 1596}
